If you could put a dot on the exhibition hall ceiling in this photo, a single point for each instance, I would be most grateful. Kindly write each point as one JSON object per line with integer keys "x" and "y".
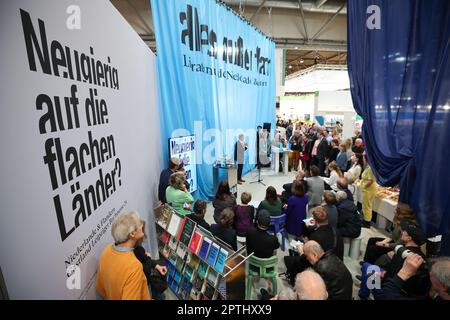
{"x": 312, "y": 32}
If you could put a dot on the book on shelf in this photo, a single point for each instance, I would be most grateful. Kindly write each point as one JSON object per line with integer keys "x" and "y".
{"x": 204, "y": 249}
{"x": 195, "y": 294}
{"x": 188, "y": 272}
{"x": 202, "y": 269}
{"x": 162, "y": 215}
{"x": 213, "y": 253}
{"x": 196, "y": 241}
{"x": 166, "y": 251}
{"x": 221, "y": 258}
{"x": 164, "y": 237}
{"x": 193, "y": 261}
{"x": 173, "y": 243}
{"x": 179, "y": 264}
{"x": 212, "y": 277}
{"x": 174, "y": 224}
{"x": 209, "y": 291}
{"x": 186, "y": 231}
{"x": 198, "y": 284}
{"x": 181, "y": 250}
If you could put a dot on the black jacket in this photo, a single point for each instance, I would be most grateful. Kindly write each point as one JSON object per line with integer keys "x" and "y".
{"x": 349, "y": 220}
{"x": 200, "y": 221}
{"x": 336, "y": 276}
{"x": 329, "y": 239}
{"x": 323, "y": 149}
{"x": 227, "y": 235}
{"x": 261, "y": 243}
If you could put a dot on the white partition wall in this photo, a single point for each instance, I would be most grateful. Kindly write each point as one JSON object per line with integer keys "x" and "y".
{"x": 80, "y": 141}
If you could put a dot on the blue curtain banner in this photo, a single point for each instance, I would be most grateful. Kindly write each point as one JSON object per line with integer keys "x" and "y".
{"x": 216, "y": 77}
{"x": 398, "y": 63}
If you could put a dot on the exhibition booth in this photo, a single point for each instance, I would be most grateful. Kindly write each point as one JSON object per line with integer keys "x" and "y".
{"x": 91, "y": 116}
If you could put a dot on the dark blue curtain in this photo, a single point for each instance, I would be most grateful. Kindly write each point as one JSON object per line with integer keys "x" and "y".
{"x": 400, "y": 85}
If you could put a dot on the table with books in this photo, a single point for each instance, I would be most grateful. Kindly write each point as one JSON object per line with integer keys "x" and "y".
{"x": 199, "y": 266}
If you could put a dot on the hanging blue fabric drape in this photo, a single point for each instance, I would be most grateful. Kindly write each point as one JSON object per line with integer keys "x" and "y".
{"x": 399, "y": 68}
{"x": 216, "y": 76}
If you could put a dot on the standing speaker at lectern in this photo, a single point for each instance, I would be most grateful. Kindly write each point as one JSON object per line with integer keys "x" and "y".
{"x": 239, "y": 156}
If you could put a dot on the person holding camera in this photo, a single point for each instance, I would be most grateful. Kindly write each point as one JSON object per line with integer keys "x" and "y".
{"x": 393, "y": 288}
{"x": 373, "y": 276}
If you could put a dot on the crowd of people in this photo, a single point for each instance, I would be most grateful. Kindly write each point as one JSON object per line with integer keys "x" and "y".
{"x": 328, "y": 171}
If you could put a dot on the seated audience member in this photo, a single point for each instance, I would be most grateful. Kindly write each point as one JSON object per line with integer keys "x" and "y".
{"x": 335, "y": 173}
{"x": 329, "y": 238}
{"x": 198, "y": 216}
{"x": 309, "y": 285}
{"x": 296, "y": 210}
{"x": 177, "y": 195}
{"x": 377, "y": 247}
{"x": 341, "y": 159}
{"x": 271, "y": 203}
{"x": 223, "y": 229}
{"x": 223, "y": 199}
{"x": 120, "y": 274}
{"x": 153, "y": 271}
{"x": 342, "y": 184}
{"x": 330, "y": 206}
{"x": 439, "y": 275}
{"x": 349, "y": 219}
{"x": 244, "y": 214}
{"x": 333, "y": 271}
{"x": 315, "y": 188}
{"x": 258, "y": 240}
{"x": 416, "y": 286}
{"x": 287, "y": 188}
{"x": 164, "y": 178}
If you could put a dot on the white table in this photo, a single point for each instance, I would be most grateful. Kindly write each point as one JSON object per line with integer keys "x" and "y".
{"x": 276, "y": 159}
{"x": 384, "y": 207}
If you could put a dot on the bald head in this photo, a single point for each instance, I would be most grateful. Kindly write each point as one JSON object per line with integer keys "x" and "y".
{"x": 313, "y": 251}
{"x": 309, "y": 285}
{"x": 358, "y": 142}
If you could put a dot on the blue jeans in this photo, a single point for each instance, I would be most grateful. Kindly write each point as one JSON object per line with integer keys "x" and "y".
{"x": 366, "y": 273}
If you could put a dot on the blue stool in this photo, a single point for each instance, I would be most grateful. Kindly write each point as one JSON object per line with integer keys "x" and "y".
{"x": 277, "y": 225}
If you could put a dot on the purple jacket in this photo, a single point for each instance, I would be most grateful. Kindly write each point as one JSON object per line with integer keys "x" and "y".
{"x": 243, "y": 219}
{"x": 295, "y": 214}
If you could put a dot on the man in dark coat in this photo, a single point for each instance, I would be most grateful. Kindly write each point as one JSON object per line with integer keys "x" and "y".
{"x": 323, "y": 150}
{"x": 174, "y": 165}
{"x": 333, "y": 271}
{"x": 349, "y": 219}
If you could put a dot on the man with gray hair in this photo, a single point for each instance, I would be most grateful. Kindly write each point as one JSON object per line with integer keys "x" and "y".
{"x": 349, "y": 220}
{"x": 309, "y": 285}
{"x": 120, "y": 274}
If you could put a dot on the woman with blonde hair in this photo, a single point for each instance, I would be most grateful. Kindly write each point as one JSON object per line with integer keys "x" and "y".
{"x": 335, "y": 173}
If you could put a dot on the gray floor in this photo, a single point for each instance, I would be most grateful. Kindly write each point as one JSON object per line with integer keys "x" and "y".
{"x": 258, "y": 193}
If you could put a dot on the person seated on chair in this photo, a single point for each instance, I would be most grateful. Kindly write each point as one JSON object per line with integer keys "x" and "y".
{"x": 223, "y": 230}
{"x": 349, "y": 219}
{"x": 330, "y": 206}
{"x": 416, "y": 286}
{"x": 198, "y": 216}
{"x": 287, "y": 188}
{"x": 223, "y": 199}
{"x": 316, "y": 188}
{"x": 338, "y": 279}
{"x": 342, "y": 184}
{"x": 244, "y": 214}
{"x": 271, "y": 203}
{"x": 258, "y": 240}
{"x": 296, "y": 210}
